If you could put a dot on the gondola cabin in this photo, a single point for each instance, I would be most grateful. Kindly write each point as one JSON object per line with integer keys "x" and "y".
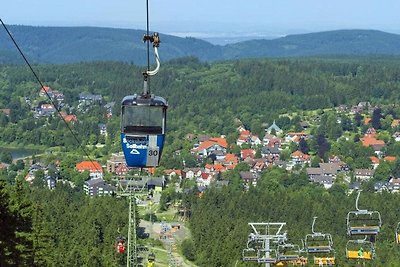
{"x": 143, "y": 121}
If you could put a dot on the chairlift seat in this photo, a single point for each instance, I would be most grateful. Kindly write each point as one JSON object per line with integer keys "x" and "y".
{"x": 353, "y": 254}
{"x": 318, "y": 249}
{"x": 364, "y": 230}
{"x": 325, "y": 260}
{"x": 266, "y": 260}
{"x": 249, "y": 254}
{"x": 292, "y": 257}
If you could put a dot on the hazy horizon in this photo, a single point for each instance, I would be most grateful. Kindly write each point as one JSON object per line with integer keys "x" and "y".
{"x": 210, "y": 20}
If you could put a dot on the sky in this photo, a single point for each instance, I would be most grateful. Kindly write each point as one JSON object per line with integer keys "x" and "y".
{"x": 207, "y": 18}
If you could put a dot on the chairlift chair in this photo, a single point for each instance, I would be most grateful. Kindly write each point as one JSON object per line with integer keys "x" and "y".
{"x": 267, "y": 256}
{"x": 317, "y": 242}
{"x": 120, "y": 245}
{"x": 360, "y": 249}
{"x": 288, "y": 252}
{"x": 328, "y": 259}
{"x": 363, "y": 222}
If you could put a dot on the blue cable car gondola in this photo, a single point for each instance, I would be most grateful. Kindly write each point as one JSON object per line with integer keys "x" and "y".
{"x": 143, "y": 129}
{"x": 143, "y": 119}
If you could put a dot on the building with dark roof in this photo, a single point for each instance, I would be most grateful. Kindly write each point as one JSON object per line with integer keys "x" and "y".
{"x": 97, "y": 187}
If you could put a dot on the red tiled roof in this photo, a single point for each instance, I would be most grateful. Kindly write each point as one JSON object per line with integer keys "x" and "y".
{"x": 245, "y": 133}
{"x": 212, "y": 141}
{"x": 69, "y": 118}
{"x": 390, "y": 158}
{"x": 374, "y": 160}
{"x": 247, "y": 153}
{"x": 45, "y": 89}
{"x": 231, "y": 158}
{"x": 208, "y": 166}
{"x": 370, "y": 141}
{"x": 91, "y": 166}
{"x": 219, "y": 168}
{"x": 205, "y": 176}
{"x": 300, "y": 155}
{"x": 151, "y": 170}
{"x": 220, "y": 141}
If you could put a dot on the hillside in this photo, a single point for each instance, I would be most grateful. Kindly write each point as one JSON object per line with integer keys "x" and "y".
{"x": 342, "y": 42}
{"x": 60, "y": 45}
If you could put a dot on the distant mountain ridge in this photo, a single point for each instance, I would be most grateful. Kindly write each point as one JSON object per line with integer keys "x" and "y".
{"x": 60, "y": 45}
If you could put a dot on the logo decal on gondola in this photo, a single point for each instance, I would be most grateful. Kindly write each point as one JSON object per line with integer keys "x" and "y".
{"x": 135, "y": 152}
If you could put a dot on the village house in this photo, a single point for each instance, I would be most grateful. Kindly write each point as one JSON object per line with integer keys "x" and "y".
{"x": 325, "y": 169}
{"x": 295, "y": 137}
{"x": 205, "y": 179}
{"x": 30, "y": 176}
{"x": 230, "y": 161}
{"x": 97, "y": 187}
{"x": 116, "y": 160}
{"x": 94, "y": 168}
{"x": 205, "y": 148}
{"x": 244, "y": 137}
{"x": 109, "y": 107}
{"x": 377, "y": 145}
{"x": 255, "y": 141}
{"x": 191, "y": 173}
{"x": 325, "y": 181}
{"x": 173, "y": 173}
{"x": 50, "y": 182}
{"x": 89, "y": 98}
{"x": 214, "y": 168}
{"x": 363, "y": 174}
{"x": 394, "y": 184}
{"x": 342, "y": 108}
{"x": 217, "y": 155}
{"x": 247, "y": 153}
{"x": 45, "y": 90}
{"x": 45, "y": 110}
{"x": 270, "y": 152}
{"x": 299, "y": 158}
{"x": 249, "y": 178}
{"x": 68, "y": 118}
{"x": 121, "y": 170}
{"x": 259, "y": 165}
{"x": 274, "y": 128}
{"x": 267, "y": 138}
{"x": 374, "y": 162}
{"x": 282, "y": 164}
{"x": 396, "y": 136}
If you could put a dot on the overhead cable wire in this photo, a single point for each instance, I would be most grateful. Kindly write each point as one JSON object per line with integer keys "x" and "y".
{"x": 47, "y": 94}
